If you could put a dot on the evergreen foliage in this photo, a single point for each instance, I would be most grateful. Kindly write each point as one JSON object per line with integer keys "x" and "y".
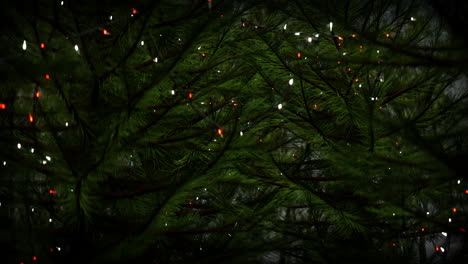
{"x": 180, "y": 131}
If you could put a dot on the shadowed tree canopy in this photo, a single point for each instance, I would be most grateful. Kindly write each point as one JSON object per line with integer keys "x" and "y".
{"x": 194, "y": 131}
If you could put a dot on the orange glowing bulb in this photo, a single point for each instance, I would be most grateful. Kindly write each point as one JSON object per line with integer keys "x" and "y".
{"x": 466, "y": 191}
{"x": 134, "y": 11}
{"x": 47, "y": 76}
{"x": 105, "y": 32}
{"x": 31, "y": 118}
{"x": 299, "y": 55}
{"x": 454, "y": 210}
{"x": 42, "y": 45}
{"x": 2, "y": 106}
{"x": 387, "y": 35}
{"x": 220, "y": 131}
{"x": 38, "y": 94}
{"x": 190, "y": 95}
{"x": 437, "y": 248}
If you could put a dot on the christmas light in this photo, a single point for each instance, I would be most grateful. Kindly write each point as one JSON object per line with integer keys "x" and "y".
{"x": 47, "y": 76}
{"x": 331, "y": 26}
{"x": 297, "y": 33}
{"x": 317, "y": 35}
{"x": 422, "y": 229}
{"x": 4, "y": 163}
{"x": 66, "y": 124}
{"x": 44, "y": 162}
{"x": 77, "y": 49}
{"x": 34, "y": 258}
{"x": 387, "y": 35}
{"x": 61, "y": 3}
{"x": 450, "y": 220}
{"x": 291, "y": 81}
{"x": 31, "y": 118}
{"x": 437, "y": 248}
{"x": 454, "y": 210}
{"x": 50, "y": 220}
{"x": 285, "y": 26}
{"x": 110, "y": 18}
{"x": 42, "y": 45}
{"x": 203, "y": 55}
{"x": 299, "y": 55}
{"x": 280, "y": 106}
{"x": 52, "y": 191}
{"x": 466, "y": 191}
{"x": 427, "y": 213}
{"x": 134, "y": 11}
{"x": 32, "y": 210}
{"x": 442, "y": 249}
{"x": 444, "y": 234}
{"x": 48, "y": 158}
{"x": 19, "y": 145}
{"x": 220, "y": 131}
{"x": 24, "y": 45}
{"x": 58, "y": 248}
{"x": 190, "y": 95}
{"x": 458, "y": 182}
{"x": 32, "y": 150}
{"x": 2, "y": 106}
{"x": 241, "y": 133}
{"x": 413, "y": 19}
{"x": 37, "y": 94}
{"x": 105, "y": 32}
{"x": 155, "y": 60}
{"x": 142, "y": 43}
{"x": 309, "y": 39}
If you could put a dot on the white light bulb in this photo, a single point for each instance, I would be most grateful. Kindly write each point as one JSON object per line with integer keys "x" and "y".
{"x": 331, "y": 26}
{"x": 344, "y": 53}
{"x": 196, "y": 198}
{"x": 317, "y": 35}
{"x": 450, "y": 220}
{"x": 291, "y": 81}
{"x": 50, "y": 220}
{"x": 378, "y": 51}
{"x": 48, "y": 158}
{"x": 32, "y": 209}
{"x": 381, "y": 80}
{"x": 393, "y": 214}
{"x": 427, "y": 213}
{"x": 280, "y": 106}
{"x": 110, "y": 18}
{"x": 24, "y": 45}
{"x": 172, "y": 92}
{"x": 241, "y": 133}
{"x": 413, "y": 19}
{"x": 77, "y": 48}
{"x": 199, "y": 48}
{"x": 309, "y": 39}
{"x": 205, "y": 189}
{"x": 297, "y": 33}
{"x": 4, "y": 163}
{"x": 58, "y": 248}
{"x": 66, "y": 124}
{"x": 165, "y": 224}
{"x": 442, "y": 249}
{"x": 142, "y": 43}
{"x": 444, "y": 233}
{"x": 155, "y": 59}
{"x": 285, "y": 26}
{"x": 44, "y": 162}
{"x": 458, "y": 182}
{"x": 61, "y": 3}
{"x": 19, "y": 145}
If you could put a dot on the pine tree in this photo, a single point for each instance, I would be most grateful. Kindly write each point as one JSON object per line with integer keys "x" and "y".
{"x": 233, "y": 132}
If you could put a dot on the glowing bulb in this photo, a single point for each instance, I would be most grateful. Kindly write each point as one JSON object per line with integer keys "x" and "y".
{"x": 297, "y": 33}
{"x": 291, "y": 81}
{"x": 458, "y": 182}
{"x": 280, "y": 106}
{"x": 32, "y": 150}
{"x": 19, "y": 145}
{"x": 61, "y": 3}
{"x": 24, "y": 45}
{"x": 48, "y": 158}
{"x": 142, "y": 43}
{"x": 331, "y": 26}
{"x": 66, "y": 124}
{"x": 50, "y": 220}
{"x": 110, "y": 18}
{"x": 444, "y": 234}
{"x": 450, "y": 220}
{"x": 241, "y": 133}
{"x": 4, "y": 163}
{"x": 413, "y": 19}
{"x": 442, "y": 249}
{"x": 317, "y": 35}
{"x": 172, "y": 92}
{"x": 309, "y": 39}
{"x": 77, "y": 48}
{"x": 155, "y": 60}
{"x": 44, "y": 162}
{"x": 427, "y": 213}
{"x": 285, "y": 26}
